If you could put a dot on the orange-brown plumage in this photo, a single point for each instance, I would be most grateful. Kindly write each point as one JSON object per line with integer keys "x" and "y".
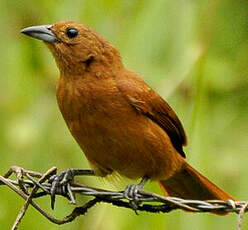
{"x": 121, "y": 124}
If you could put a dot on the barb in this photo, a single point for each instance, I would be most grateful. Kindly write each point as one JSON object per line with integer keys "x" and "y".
{"x": 149, "y": 202}
{"x": 29, "y": 198}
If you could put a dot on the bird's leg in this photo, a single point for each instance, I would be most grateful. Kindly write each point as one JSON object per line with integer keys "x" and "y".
{"x": 60, "y": 183}
{"x": 131, "y": 192}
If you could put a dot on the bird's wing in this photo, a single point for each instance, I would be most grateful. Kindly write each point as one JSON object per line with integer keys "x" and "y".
{"x": 147, "y": 102}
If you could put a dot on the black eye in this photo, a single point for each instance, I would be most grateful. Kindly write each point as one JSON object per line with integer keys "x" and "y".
{"x": 71, "y": 32}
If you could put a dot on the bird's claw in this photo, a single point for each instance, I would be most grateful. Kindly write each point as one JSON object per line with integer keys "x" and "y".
{"x": 61, "y": 184}
{"x": 131, "y": 193}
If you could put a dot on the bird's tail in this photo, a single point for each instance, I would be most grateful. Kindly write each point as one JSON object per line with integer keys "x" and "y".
{"x": 190, "y": 184}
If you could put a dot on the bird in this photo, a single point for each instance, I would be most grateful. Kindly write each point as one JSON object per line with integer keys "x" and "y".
{"x": 122, "y": 125}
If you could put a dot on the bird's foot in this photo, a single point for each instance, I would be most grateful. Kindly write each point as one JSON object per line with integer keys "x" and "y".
{"x": 61, "y": 183}
{"x": 131, "y": 193}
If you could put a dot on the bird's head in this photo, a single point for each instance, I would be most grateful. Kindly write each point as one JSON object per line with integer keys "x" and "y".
{"x": 76, "y": 48}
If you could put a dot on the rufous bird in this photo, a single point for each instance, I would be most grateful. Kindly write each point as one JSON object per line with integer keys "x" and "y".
{"x": 121, "y": 124}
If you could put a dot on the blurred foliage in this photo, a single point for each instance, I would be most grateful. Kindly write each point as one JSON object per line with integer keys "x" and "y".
{"x": 194, "y": 53}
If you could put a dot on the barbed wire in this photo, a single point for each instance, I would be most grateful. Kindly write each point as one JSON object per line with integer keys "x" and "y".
{"x": 147, "y": 201}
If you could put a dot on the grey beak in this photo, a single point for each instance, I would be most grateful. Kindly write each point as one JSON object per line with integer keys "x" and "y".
{"x": 43, "y": 33}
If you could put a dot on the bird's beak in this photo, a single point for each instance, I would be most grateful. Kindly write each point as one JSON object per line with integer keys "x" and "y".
{"x": 43, "y": 33}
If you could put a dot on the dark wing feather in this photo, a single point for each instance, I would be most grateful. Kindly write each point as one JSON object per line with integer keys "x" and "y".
{"x": 149, "y": 103}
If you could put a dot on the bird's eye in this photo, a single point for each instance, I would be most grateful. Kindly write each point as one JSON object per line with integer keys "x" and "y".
{"x": 71, "y": 32}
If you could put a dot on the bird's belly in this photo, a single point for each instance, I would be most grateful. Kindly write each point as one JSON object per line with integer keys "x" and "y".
{"x": 132, "y": 147}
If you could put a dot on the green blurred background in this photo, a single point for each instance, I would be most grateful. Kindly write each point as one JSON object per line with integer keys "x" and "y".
{"x": 194, "y": 53}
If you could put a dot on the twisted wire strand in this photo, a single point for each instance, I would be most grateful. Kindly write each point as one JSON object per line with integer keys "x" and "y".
{"x": 163, "y": 204}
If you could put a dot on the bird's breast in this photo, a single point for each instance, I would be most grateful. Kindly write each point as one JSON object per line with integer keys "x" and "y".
{"x": 94, "y": 111}
{"x": 113, "y": 136}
